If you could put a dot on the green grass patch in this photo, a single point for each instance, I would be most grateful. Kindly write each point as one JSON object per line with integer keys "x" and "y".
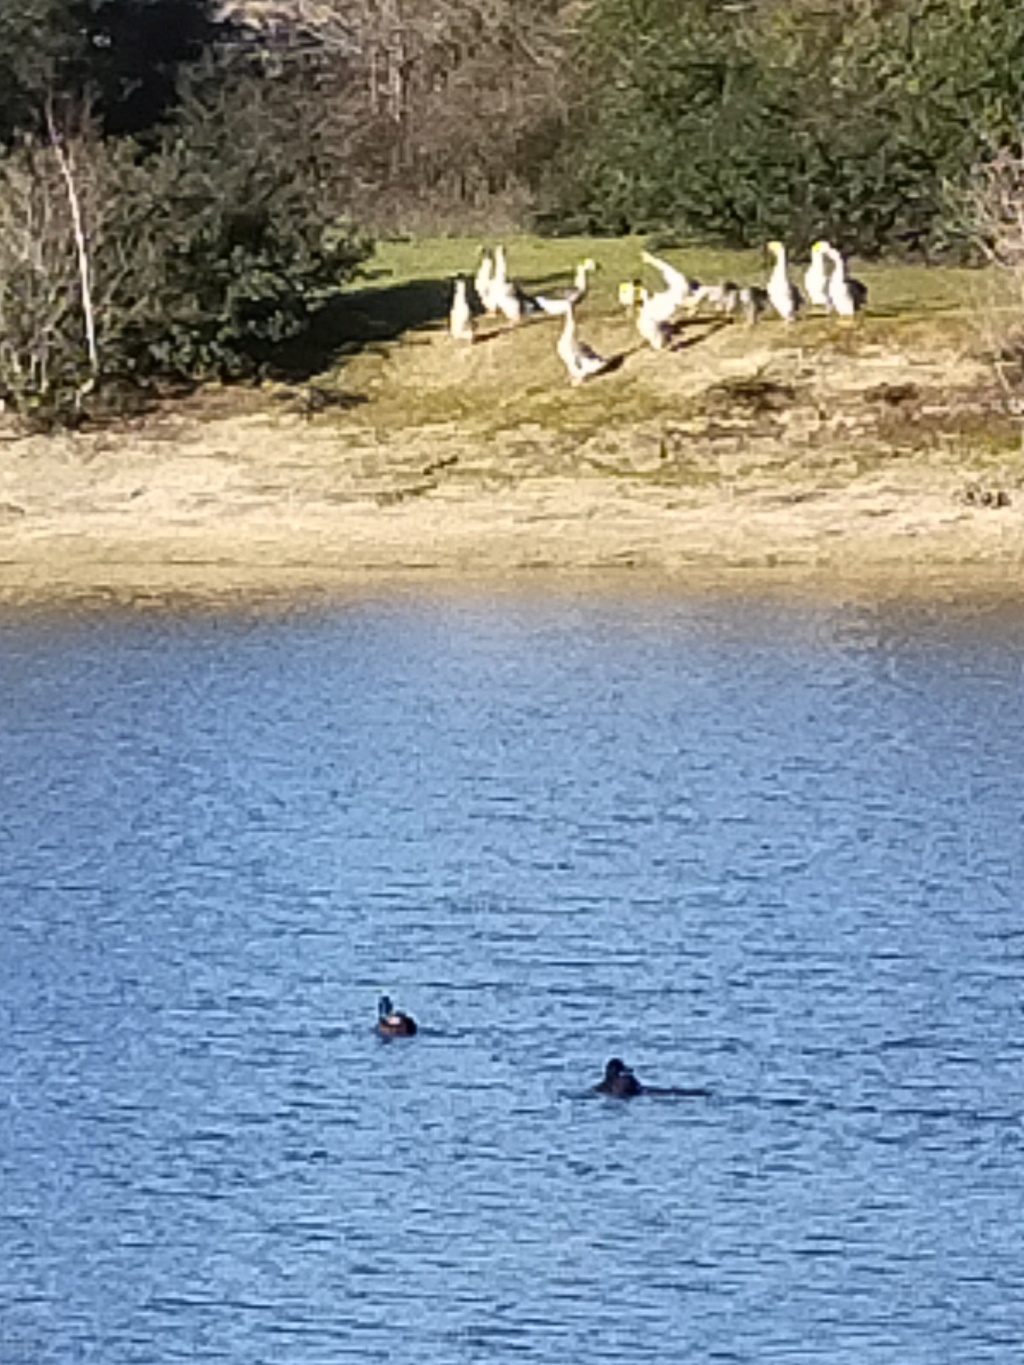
{"x": 384, "y": 341}
{"x": 894, "y": 288}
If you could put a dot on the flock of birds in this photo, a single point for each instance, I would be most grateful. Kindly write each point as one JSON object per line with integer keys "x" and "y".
{"x": 826, "y": 285}
{"x": 619, "y": 1080}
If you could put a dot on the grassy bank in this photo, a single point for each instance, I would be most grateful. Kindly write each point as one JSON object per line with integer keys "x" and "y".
{"x": 877, "y": 456}
{"x": 889, "y": 373}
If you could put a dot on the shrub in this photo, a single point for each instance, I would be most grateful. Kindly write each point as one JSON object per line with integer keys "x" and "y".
{"x": 989, "y": 208}
{"x": 204, "y": 253}
{"x": 790, "y": 119}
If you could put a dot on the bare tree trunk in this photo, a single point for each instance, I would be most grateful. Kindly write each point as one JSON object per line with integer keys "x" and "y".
{"x": 81, "y": 248}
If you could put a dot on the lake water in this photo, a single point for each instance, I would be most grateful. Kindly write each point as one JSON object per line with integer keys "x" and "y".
{"x": 775, "y": 851}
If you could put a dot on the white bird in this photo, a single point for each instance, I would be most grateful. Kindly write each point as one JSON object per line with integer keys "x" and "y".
{"x": 816, "y": 278}
{"x": 505, "y": 296}
{"x": 507, "y": 301}
{"x": 689, "y": 293}
{"x": 491, "y": 281}
{"x": 500, "y": 265}
{"x": 484, "y": 279}
{"x": 675, "y": 280}
{"x": 662, "y": 306}
{"x": 655, "y": 328}
{"x": 579, "y": 359}
{"x": 783, "y": 296}
{"x": 654, "y": 319}
{"x": 460, "y": 318}
{"x": 847, "y": 296}
{"x": 721, "y": 298}
{"x": 511, "y": 301}
{"x": 558, "y": 306}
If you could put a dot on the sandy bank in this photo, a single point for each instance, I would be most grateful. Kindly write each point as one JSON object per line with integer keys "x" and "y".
{"x": 887, "y": 470}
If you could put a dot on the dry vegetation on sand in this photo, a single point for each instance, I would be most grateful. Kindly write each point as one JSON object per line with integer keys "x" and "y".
{"x": 880, "y": 455}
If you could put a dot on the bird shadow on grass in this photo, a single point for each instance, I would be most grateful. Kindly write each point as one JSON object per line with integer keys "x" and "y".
{"x": 613, "y": 363}
{"x": 357, "y": 320}
{"x": 686, "y": 341}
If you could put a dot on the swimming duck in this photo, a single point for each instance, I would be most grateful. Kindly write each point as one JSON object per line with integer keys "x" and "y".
{"x": 619, "y": 1081}
{"x": 816, "y": 278}
{"x": 460, "y": 318}
{"x": 847, "y": 296}
{"x": 392, "y": 1023}
{"x": 579, "y": 359}
{"x": 782, "y": 294}
{"x": 558, "y": 306}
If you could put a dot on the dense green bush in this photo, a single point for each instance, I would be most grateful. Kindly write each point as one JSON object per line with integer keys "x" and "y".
{"x": 205, "y": 252}
{"x": 235, "y": 244}
{"x": 785, "y": 119}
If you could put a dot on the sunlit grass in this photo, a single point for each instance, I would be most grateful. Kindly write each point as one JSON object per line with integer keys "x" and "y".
{"x": 391, "y": 345}
{"x": 895, "y": 288}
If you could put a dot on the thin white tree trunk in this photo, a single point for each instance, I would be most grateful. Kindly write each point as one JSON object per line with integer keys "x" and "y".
{"x": 84, "y": 271}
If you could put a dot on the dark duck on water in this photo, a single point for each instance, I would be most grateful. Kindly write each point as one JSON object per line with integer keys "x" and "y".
{"x": 621, "y": 1083}
{"x": 392, "y": 1023}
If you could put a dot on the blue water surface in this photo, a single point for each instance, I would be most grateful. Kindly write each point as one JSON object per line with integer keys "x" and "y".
{"x": 771, "y": 850}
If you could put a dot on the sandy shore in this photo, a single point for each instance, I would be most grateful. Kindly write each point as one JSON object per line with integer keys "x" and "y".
{"x": 894, "y": 472}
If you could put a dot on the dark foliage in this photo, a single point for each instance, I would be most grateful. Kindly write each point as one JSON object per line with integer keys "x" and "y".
{"x": 119, "y": 58}
{"x": 785, "y": 119}
{"x": 207, "y": 251}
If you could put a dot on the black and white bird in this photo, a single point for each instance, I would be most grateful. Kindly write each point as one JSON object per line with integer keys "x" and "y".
{"x": 506, "y": 296}
{"x": 677, "y": 287}
{"x": 846, "y": 295}
{"x": 816, "y": 276}
{"x": 652, "y": 320}
{"x": 580, "y": 360}
{"x": 752, "y": 300}
{"x": 558, "y": 305}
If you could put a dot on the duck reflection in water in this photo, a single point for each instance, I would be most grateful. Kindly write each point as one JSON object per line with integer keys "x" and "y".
{"x": 621, "y": 1083}
{"x": 392, "y": 1023}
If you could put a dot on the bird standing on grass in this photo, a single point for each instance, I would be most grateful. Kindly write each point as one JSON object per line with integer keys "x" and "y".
{"x": 674, "y": 279}
{"x": 651, "y": 322}
{"x": 460, "y": 318}
{"x": 579, "y": 359}
{"x": 847, "y": 296}
{"x": 558, "y": 306}
{"x": 654, "y": 318}
{"x": 484, "y": 279}
{"x": 783, "y": 295}
{"x": 816, "y": 278}
{"x": 503, "y": 295}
